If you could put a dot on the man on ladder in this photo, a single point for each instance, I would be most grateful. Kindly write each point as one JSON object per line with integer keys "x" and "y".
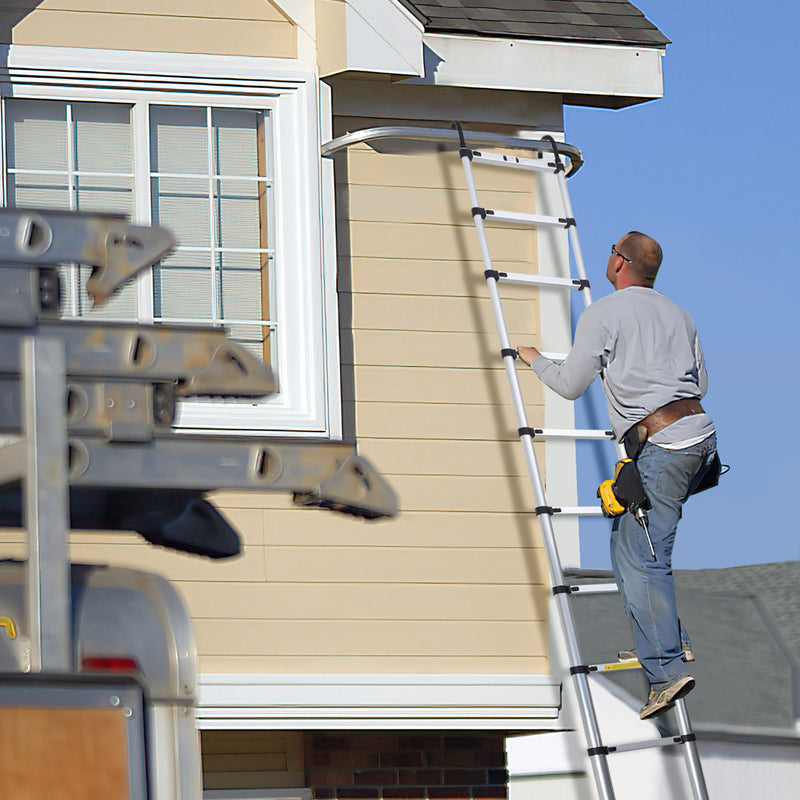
{"x": 647, "y": 351}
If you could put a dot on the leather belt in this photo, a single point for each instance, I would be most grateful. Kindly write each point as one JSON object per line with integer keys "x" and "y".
{"x": 671, "y": 412}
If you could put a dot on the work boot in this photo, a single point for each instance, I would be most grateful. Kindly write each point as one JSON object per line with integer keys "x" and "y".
{"x": 631, "y": 655}
{"x": 663, "y": 699}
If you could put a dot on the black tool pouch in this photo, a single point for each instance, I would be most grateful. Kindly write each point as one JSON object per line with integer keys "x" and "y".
{"x": 629, "y": 489}
{"x": 711, "y": 476}
{"x": 633, "y": 440}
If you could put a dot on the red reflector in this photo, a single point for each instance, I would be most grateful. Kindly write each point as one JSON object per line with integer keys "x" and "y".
{"x": 109, "y": 664}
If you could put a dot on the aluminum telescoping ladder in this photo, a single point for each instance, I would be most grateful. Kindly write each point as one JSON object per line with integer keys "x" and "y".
{"x": 581, "y": 672}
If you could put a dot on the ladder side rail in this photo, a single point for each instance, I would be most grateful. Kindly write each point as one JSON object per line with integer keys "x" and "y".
{"x": 693, "y": 766}
{"x": 580, "y": 266}
{"x": 589, "y": 717}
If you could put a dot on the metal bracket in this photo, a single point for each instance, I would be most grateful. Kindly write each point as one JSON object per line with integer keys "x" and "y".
{"x": 116, "y": 249}
{"x": 203, "y": 361}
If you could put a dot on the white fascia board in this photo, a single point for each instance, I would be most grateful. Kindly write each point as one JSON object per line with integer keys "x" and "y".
{"x": 383, "y": 37}
{"x": 81, "y": 64}
{"x": 538, "y": 66}
{"x": 396, "y": 702}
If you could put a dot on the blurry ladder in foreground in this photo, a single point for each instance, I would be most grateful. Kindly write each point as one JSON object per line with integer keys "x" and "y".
{"x": 580, "y": 671}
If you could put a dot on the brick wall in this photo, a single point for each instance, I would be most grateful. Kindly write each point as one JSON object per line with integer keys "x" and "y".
{"x": 406, "y": 765}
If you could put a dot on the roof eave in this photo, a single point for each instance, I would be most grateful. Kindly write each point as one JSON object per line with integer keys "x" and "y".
{"x": 605, "y": 75}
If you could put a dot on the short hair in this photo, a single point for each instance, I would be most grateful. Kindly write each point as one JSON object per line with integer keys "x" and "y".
{"x": 645, "y": 254}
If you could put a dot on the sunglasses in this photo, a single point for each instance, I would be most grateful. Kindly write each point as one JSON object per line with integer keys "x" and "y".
{"x": 616, "y": 252}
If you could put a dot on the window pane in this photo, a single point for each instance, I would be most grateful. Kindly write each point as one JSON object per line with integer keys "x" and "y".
{"x": 178, "y": 139}
{"x": 241, "y": 280}
{"x": 41, "y": 138}
{"x": 181, "y": 206}
{"x": 255, "y": 338}
{"x": 237, "y": 141}
{"x": 77, "y": 303}
{"x": 233, "y": 188}
{"x": 182, "y": 286}
{"x": 37, "y": 134}
{"x": 241, "y": 221}
{"x": 38, "y": 191}
{"x": 102, "y": 138}
{"x": 107, "y": 195}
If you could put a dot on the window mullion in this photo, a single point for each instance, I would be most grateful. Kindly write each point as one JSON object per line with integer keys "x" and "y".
{"x": 72, "y": 200}
{"x": 215, "y": 309}
{"x": 142, "y": 192}
{"x": 4, "y": 153}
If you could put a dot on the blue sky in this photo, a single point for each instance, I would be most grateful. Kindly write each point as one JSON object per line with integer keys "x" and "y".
{"x": 711, "y": 171}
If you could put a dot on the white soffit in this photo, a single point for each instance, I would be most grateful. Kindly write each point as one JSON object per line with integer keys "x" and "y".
{"x": 560, "y": 67}
{"x": 332, "y": 701}
{"x": 382, "y": 37}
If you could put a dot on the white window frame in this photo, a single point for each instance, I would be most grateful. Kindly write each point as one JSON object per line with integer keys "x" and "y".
{"x": 304, "y": 294}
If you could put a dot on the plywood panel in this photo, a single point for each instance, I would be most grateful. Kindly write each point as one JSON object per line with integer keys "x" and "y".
{"x": 430, "y": 313}
{"x": 69, "y": 753}
{"x": 157, "y": 31}
{"x": 371, "y": 639}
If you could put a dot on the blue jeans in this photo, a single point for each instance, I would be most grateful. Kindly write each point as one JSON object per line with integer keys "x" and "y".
{"x": 647, "y": 587}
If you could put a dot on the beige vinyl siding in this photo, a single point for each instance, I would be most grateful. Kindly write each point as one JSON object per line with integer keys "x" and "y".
{"x": 252, "y": 759}
{"x": 219, "y": 27}
{"x": 457, "y": 583}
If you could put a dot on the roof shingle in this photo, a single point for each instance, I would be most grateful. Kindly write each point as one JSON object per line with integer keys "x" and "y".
{"x": 608, "y": 21}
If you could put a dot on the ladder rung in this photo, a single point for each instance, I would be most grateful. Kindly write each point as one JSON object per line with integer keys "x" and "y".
{"x": 613, "y": 666}
{"x": 667, "y": 741}
{"x": 521, "y": 279}
{"x": 594, "y": 588}
{"x": 581, "y": 511}
{"x": 515, "y": 162}
{"x": 496, "y": 215}
{"x": 568, "y": 433}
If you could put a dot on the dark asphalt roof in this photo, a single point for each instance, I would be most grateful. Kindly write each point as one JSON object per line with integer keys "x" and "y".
{"x": 608, "y": 21}
{"x": 744, "y": 623}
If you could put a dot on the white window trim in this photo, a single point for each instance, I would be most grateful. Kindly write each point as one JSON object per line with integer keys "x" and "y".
{"x": 309, "y": 403}
{"x": 377, "y": 701}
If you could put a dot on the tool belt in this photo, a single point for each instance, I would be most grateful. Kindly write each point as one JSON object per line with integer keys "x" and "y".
{"x": 636, "y": 436}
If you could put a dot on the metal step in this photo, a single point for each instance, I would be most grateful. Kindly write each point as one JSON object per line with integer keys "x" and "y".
{"x": 594, "y": 588}
{"x": 579, "y": 511}
{"x": 497, "y": 215}
{"x": 523, "y": 279}
{"x": 613, "y": 666}
{"x": 567, "y": 433}
{"x": 667, "y": 741}
{"x": 515, "y": 162}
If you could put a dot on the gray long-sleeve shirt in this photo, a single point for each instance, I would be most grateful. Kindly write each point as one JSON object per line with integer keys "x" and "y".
{"x": 647, "y": 348}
